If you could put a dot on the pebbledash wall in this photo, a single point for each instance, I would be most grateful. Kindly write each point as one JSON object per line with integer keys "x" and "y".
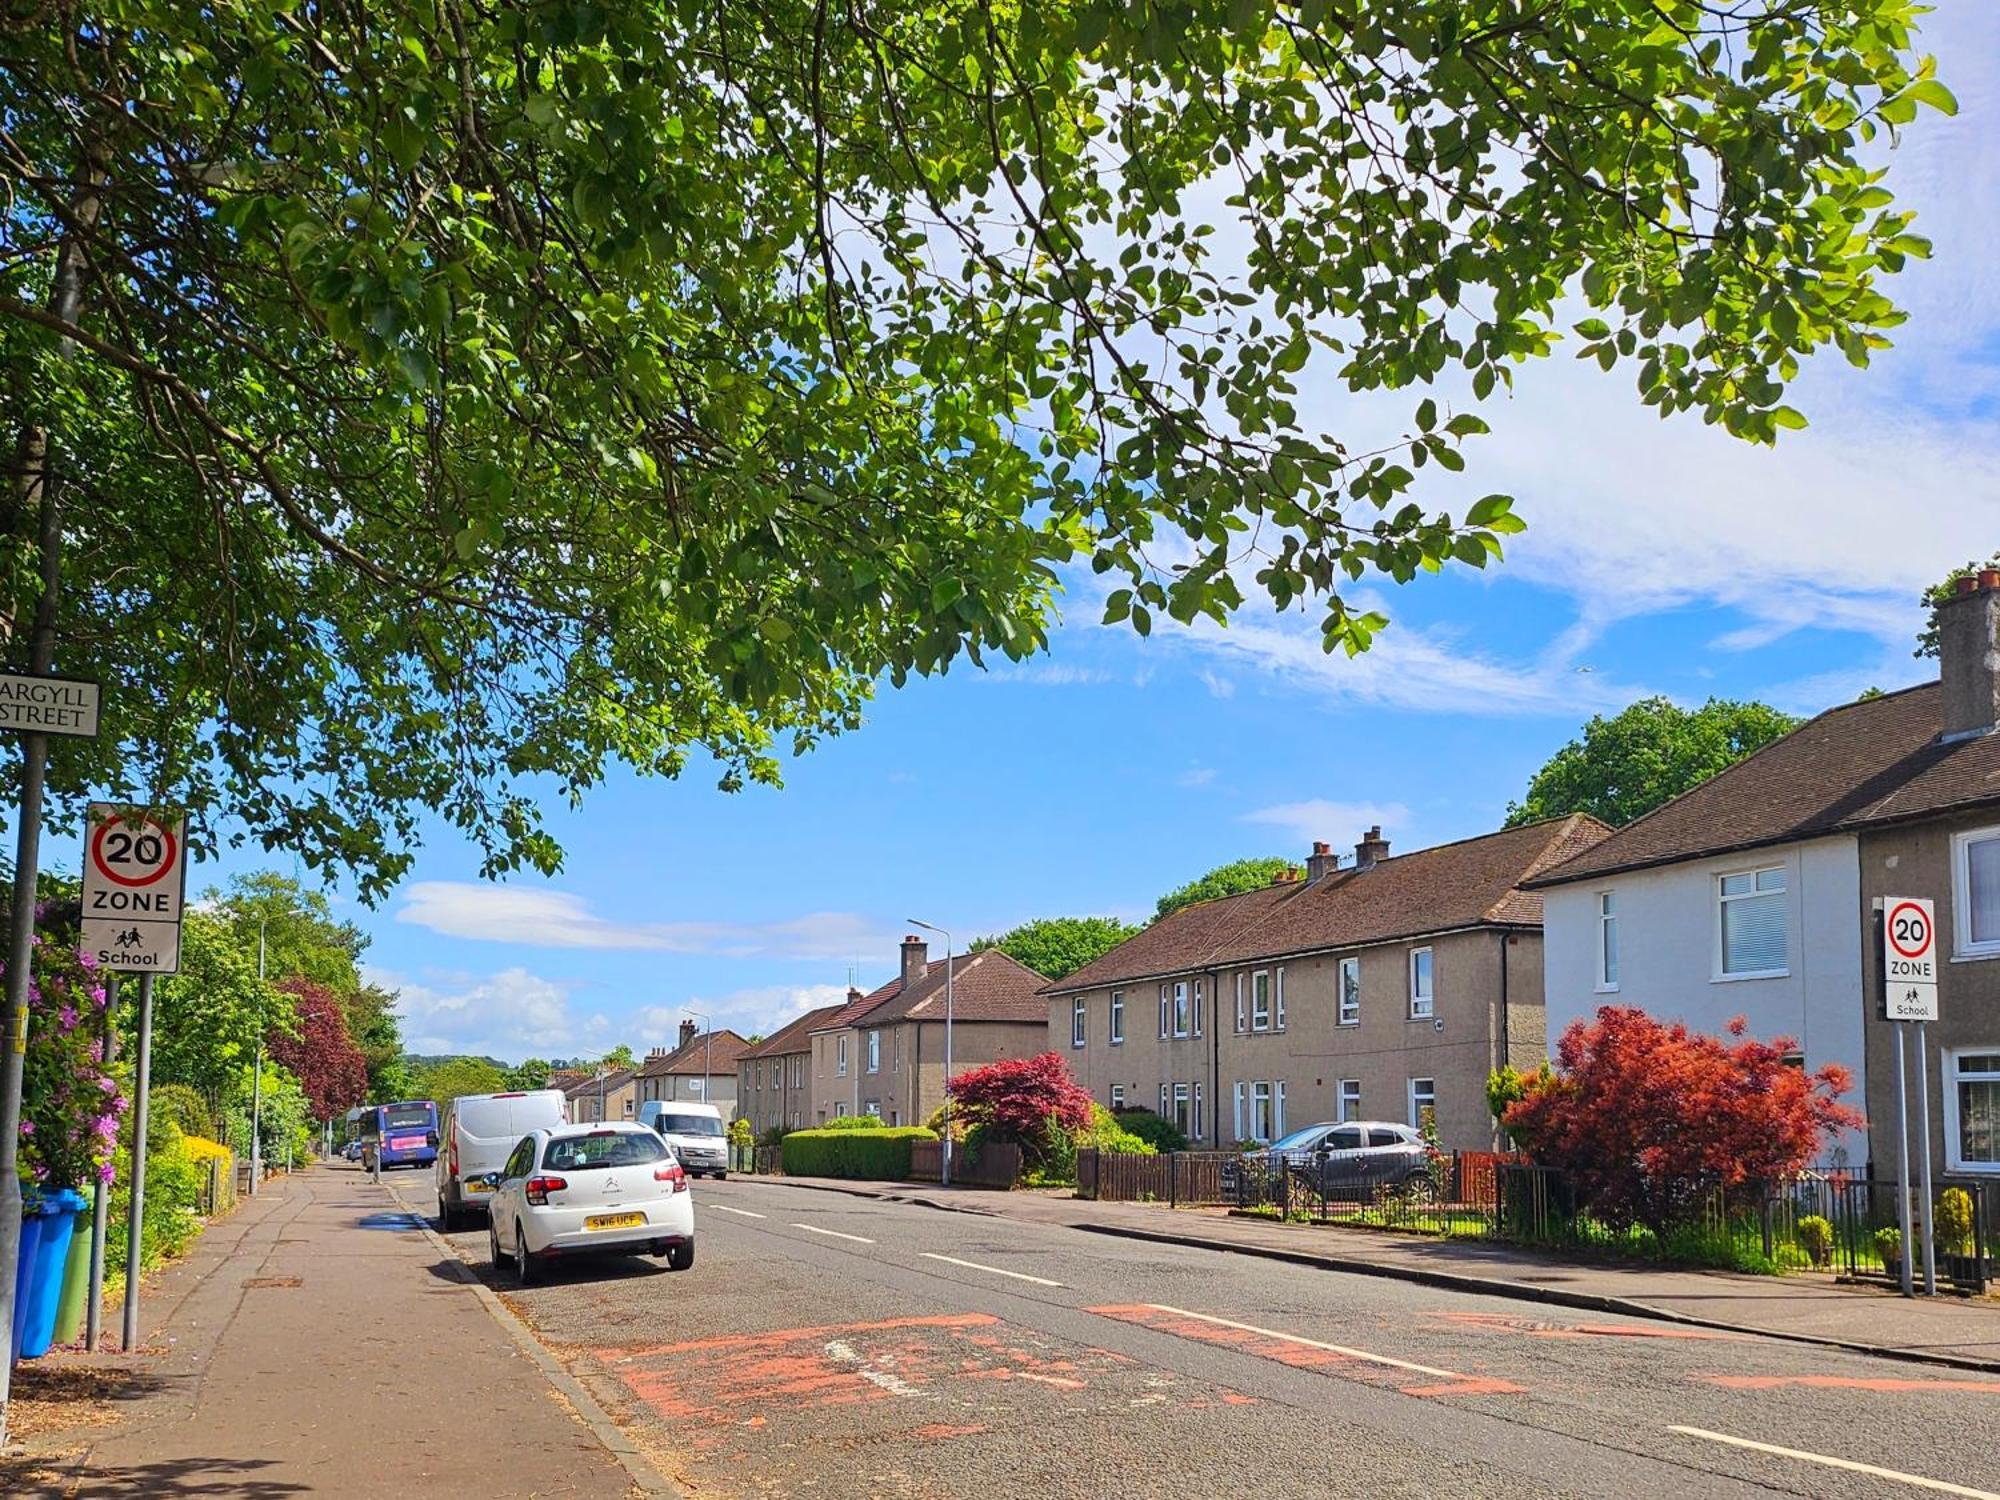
{"x": 1298, "y": 1063}
{"x": 1669, "y": 960}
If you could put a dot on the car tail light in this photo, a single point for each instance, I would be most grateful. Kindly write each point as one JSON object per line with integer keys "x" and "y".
{"x": 451, "y": 1155}
{"x": 672, "y": 1172}
{"x": 539, "y": 1188}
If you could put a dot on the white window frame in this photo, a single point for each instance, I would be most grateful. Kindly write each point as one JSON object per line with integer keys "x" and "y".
{"x": 1278, "y": 988}
{"x": 875, "y": 1051}
{"x": 1239, "y": 1135}
{"x": 1079, "y": 1022}
{"x": 1346, "y": 1014}
{"x": 1183, "y": 1115}
{"x": 1725, "y": 976}
{"x": 839, "y": 1109}
{"x": 1343, "y": 1113}
{"x": 1962, "y": 945}
{"x": 1200, "y": 995}
{"x": 1199, "y": 1133}
{"x": 840, "y": 1056}
{"x": 1263, "y": 1101}
{"x": 1431, "y": 1097}
{"x": 1260, "y": 1000}
{"x": 1607, "y": 942}
{"x": 1117, "y": 1096}
{"x": 1423, "y": 1006}
{"x": 1166, "y": 1007}
{"x": 1242, "y": 1015}
{"x": 1182, "y": 1017}
{"x": 874, "y": 1107}
{"x": 1166, "y": 1102}
{"x": 1953, "y": 1160}
{"x": 1117, "y": 1018}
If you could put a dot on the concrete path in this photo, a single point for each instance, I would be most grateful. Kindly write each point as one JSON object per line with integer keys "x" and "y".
{"x": 1945, "y": 1330}
{"x": 316, "y": 1343}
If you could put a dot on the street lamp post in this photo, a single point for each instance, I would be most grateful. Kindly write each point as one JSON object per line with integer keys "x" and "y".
{"x": 257, "y": 1077}
{"x": 944, "y": 1156}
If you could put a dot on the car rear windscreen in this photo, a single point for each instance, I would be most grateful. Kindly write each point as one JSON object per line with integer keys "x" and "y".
{"x": 581, "y": 1153}
{"x": 408, "y": 1118}
{"x": 688, "y": 1125}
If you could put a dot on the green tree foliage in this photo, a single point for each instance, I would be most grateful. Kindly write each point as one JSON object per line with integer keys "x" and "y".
{"x": 1627, "y": 765}
{"x": 446, "y": 1078}
{"x": 1936, "y": 594}
{"x": 512, "y": 390}
{"x": 1225, "y": 880}
{"x": 620, "y": 1056}
{"x": 1056, "y": 947}
{"x": 206, "y": 1018}
{"x": 530, "y": 1073}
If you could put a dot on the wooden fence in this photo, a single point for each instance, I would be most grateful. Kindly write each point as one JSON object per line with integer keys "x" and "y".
{"x": 1173, "y": 1178}
{"x": 996, "y": 1166}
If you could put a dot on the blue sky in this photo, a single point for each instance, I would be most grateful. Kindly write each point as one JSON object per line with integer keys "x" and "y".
{"x": 1660, "y": 558}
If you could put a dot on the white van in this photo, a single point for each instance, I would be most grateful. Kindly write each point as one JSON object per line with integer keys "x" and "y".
{"x": 479, "y": 1132}
{"x": 694, "y": 1131}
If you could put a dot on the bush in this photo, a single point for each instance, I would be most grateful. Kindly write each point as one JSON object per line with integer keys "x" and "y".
{"x": 851, "y": 1122}
{"x": 1954, "y": 1221}
{"x": 773, "y": 1135}
{"x": 1647, "y": 1120}
{"x": 1106, "y": 1132}
{"x": 881, "y": 1155}
{"x": 1155, "y": 1130}
{"x": 739, "y": 1133}
{"x": 183, "y": 1107}
{"x": 1815, "y": 1236}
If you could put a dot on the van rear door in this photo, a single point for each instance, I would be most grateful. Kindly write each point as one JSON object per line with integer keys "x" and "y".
{"x": 490, "y": 1126}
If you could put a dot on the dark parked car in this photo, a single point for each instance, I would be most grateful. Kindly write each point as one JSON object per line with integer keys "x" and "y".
{"x": 1351, "y": 1161}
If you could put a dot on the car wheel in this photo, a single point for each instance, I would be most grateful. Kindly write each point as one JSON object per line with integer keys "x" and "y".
{"x": 524, "y": 1266}
{"x": 721, "y": 1176}
{"x": 1421, "y": 1186}
{"x": 681, "y": 1256}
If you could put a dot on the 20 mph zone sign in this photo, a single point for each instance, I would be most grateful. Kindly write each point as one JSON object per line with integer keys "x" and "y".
{"x": 1909, "y": 959}
{"x": 134, "y": 875}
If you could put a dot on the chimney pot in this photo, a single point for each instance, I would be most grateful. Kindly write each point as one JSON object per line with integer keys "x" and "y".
{"x": 1372, "y": 849}
{"x": 1323, "y": 862}
{"x": 1969, "y": 655}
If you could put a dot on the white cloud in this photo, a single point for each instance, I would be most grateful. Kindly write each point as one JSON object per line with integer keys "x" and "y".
{"x": 1339, "y": 823}
{"x": 559, "y": 919}
{"x": 510, "y": 1015}
{"x": 749, "y": 1012}
{"x": 1196, "y": 776}
{"x": 1218, "y": 687}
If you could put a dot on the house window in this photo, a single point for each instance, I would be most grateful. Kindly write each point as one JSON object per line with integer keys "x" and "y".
{"x": 1166, "y": 1102}
{"x": 839, "y": 1108}
{"x": 1077, "y": 1021}
{"x": 1242, "y": 1016}
{"x": 1423, "y": 1096}
{"x": 1200, "y": 994}
{"x": 1350, "y": 992}
{"x": 1350, "y": 1100}
{"x": 1197, "y": 1132}
{"x": 1423, "y": 999}
{"x": 1260, "y": 1112}
{"x": 874, "y": 1107}
{"x": 1117, "y": 1017}
{"x": 840, "y": 1056}
{"x": 1607, "y": 940}
{"x": 1183, "y": 1099}
{"x": 1976, "y": 891}
{"x": 1752, "y": 922}
{"x": 1281, "y": 997}
{"x": 1166, "y": 1013}
{"x": 1260, "y": 1002}
{"x": 1117, "y": 1096}
{"x": 1972, "y": 1110}
{"x": 874, "y": 1051}
{"x": 1181, "y": 1008}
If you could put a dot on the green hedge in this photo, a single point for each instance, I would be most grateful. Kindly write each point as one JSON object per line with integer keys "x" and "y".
{"x": 877, "y": 1155}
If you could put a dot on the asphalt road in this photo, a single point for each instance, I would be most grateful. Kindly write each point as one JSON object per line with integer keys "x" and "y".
{"x": 830, "y": 1345}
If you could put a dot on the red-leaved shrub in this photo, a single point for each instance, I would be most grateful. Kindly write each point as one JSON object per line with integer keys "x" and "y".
{"x": 1647, "y": 1120}
{"x": 1017, "y": 1098}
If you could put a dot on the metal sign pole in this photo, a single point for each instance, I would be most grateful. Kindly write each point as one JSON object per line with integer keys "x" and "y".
{"x": 20, "y": 953}
{"x": 1929, "y": 1208}
{"x": 1903, "y": 1157}
{"x": 100, "y": 1218}
{"x": 143, "y": 1089}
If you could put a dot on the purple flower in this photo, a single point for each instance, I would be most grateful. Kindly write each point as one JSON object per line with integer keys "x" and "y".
{"x": 97, "y": 1049}
{"x": 97, "y": 996}
{"x": 67, "y": 1018}
{"x": 27, "y": 1127}
{"x": 106, "y": 1172}
{"x": 87, "y": 959}
{"x": 108, "y": 1084}
{"x": 106, "y": 1127}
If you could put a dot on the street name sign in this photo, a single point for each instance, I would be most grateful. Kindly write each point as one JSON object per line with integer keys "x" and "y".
{"x": 1909, "y": 959}
{"x": 48, "y": 705}
{"x": 134, "y": 887}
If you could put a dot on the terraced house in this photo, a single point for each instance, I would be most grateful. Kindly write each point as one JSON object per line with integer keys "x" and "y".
{"x": 1373, "y": 989}
{"x": 774, "y": 1078}
{"x": 883, "y": 1053}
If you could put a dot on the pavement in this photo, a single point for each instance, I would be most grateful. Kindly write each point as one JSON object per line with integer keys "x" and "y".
{"x": 829, "y": 1344}
{"x": 320, "y": 1341}
{"x": 1948, "y": 1330}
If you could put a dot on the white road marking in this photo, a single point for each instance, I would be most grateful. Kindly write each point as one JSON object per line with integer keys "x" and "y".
{"x": 973, "y": 1265}
{"x": 1916, "y": 1480}
{"x": 724, "y": 1208}
{"x": 1293, "y": 1338}
{"x": 845, "y": 1354}
{"x": 833, "y": 1234}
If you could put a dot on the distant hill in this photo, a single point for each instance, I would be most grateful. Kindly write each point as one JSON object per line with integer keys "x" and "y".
{"x": 431, "y": 1059}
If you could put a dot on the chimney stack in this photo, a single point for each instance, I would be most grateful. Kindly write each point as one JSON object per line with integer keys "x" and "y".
{"x": 853, "y": 994}
{"x": 687, "y": 1032}
{"x": 654, "y": 1054}
{"x": 1372, "y": 849}
{"x": 916, "y": 958}
{"x": 1969, "y": 656}
{"x": 1323, "y": 861}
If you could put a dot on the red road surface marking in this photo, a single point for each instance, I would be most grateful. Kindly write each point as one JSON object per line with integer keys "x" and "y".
{"x": 1297, "y": 1351}
{"x": 1853, "y": 1383}
{"x": 1501, "y": 1323}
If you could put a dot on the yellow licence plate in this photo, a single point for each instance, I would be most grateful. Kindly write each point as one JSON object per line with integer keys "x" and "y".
{"x": 614, "y": 1221}
{"x": 479, "y": 1187}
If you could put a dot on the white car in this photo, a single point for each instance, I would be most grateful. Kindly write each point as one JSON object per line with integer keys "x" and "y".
{"x": 612, "y": 1189}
